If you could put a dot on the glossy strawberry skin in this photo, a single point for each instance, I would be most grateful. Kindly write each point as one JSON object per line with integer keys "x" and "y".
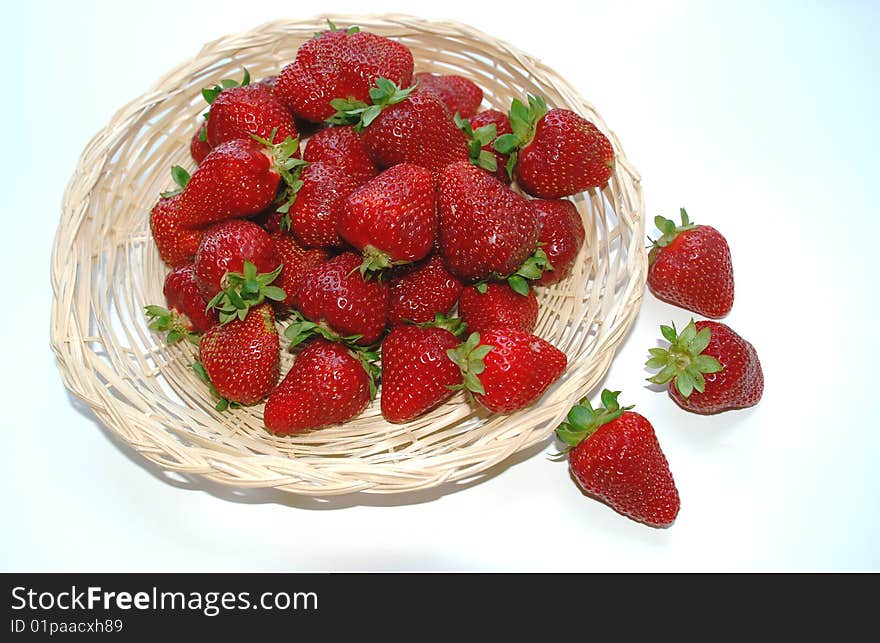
{"x": 416, "y": 372}
{"x": 498, "y": 307}
{"x": 394, "y": 213}
{"x": 182, "y": 294}
{"x": 198, "y": 148}
{"x": 314, "y": 216}
{"x": 740, "y": 382}
{"x": 239, "y": 112}
{"x": 177, "y": 245}
{"x": 562, "y": 235}
{"x": 343, "y": 148}
{"x": 486, "y": 229}
{"x": 235, "y": 180}
{"x": 623, "y": 465}
{"x": 297, "y": 261}
{"x": 340, "y": 65}
{"x": 567, "y": 155}
{"x": 418, "y": 130}
{"x": 242, "y": 357}
{"x": 326, "y": 385}
{"x": 502, "y": 126}
{"x": 225, "y": 247}
{"x": 336, "y": 294}
{"x": 695, "y": 272}
{"x": 458, "y": 93}
{"x": 519, "y": 369}
{"x": 420, "y": 292}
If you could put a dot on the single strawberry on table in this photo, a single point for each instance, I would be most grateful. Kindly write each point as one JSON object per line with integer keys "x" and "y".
{"x": 343, "y": 148}
{"x": 419, "y": 292}
{"x": 240, "y": 359}
{"x": 561, "y": 238}
{"x": 417, "y": 374}
{"x": 484, "y": 307}
{"x": 690, "y": 266}
{"x": 556, "y": 152}
{"x": 391, "y": 218}
{"x": 460, "y": 95}
{"x": 614, "y": 455}
{"x": 709, "y": 368}
{"x": 329, "y": 383}
{"x": 507, "y": 369}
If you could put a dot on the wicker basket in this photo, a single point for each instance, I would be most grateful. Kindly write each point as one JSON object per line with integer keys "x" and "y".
{"x": 105, "y": 268}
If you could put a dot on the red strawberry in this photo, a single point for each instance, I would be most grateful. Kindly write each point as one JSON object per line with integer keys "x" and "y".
{"x": 559, "y": 153}
{"x": 339, "y": 64}
{"x": 712, "y": 369}
{"x": 315, "y": 212}
{"x": 240, "y": 359}
{"x": 391, "y": 218}
{"x": 238, "y": 112}
{"x": 486, "y": 229}
{"x": 485, "y": 307}
{"x": 690, "y": 266}
{"x": 458, "y": 93}
{"x": 199, "y": 147}
{"x": 296, "y": 262}
{"x": 562, "y": 235}
{"x": 417, "y": 374}
{"x": 507, "y": 369}
{"x": 335, "y": 294}
{"x": 327, "y": 384}
{"x": 343, "y": 148}
{"x": 225, "y": 247}
{"x": 186, "y": 313}
{"x": 485, "y": 136}
{"x": 616, "y": 458}
{"x": 177, "y": 245}
{"x": 421, "y": 292}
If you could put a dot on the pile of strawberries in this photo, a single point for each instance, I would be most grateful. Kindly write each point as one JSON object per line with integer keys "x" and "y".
{"x": 365, "y": 204}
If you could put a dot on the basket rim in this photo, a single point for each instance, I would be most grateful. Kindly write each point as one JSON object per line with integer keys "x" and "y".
{"x": 223, "y": 467}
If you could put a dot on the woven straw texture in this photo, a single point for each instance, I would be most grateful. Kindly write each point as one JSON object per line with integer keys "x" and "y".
{"x": 105, "y": 269}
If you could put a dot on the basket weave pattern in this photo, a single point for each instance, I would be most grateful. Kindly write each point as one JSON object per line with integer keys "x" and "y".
{"x": 105, "y": 268}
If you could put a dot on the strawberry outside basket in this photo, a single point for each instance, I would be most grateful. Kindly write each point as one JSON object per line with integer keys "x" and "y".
{"x": 105, "y": 269}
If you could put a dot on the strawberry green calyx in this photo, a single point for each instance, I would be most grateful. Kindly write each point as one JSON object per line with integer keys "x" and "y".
{"x": 172, "y": 322}
{"x": 523, "y": 122}
{"x": 531, "y": 269}
{"x": 477, "y": 139}
{"x": 469, "y": 356}
{"x": 368, "y": 358}
{"x": 222, "y": 403}
{"x": 683, "y": 363}
{"x": 375, "y": 261}
{"x": 242, "y": 291}
{"x": 358, "y": 113}
{"x": 210, "y": 94}
{"x": 670, "y": 230}
{"x": 583, "y": 420}
{"x": 181, "y": 179}
{"x": 300, "y": 329}
{"x": 454, "y": 325}
{"x": 288, "y": 166}
{"x": 333, "y": 27}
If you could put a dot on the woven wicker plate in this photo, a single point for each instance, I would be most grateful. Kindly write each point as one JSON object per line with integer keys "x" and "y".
{"x": 105, "y": 268}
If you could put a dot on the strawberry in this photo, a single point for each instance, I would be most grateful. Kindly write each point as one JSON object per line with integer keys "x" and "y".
{"x": 420, "y": 292}
{"x": 615, "y": 457}
{"x": 327, "y": 384}
{"x": 484, "y": 307}
{"x": 343, "y": 148}
{"x": 199, "y": 147}
{"x": 562, "y": 235}
{"x": 482, "y": 130}
{"x": 177, "y": 245}
{"x": 417, "y": 374}
{"x": 460, "y": 95}
{"x": 340, "y": 64}
{"x": 296, "y": 262}
{"x": 240, "y": 360}
{"x": 335, "y": 294}
{"x": 186, "y": 314}
{"x": 391, "y": 218}
{"x": 507, "y": 369}
{"x": 238, "y": 112}
{"x": 486, "y": 229}
{"x": 235, "y": 266}
{"x": 710, "y": 367}
{"x": 315, "y": 212}
{"x": 556, "y": 153}
{"x": 690, "y": 266}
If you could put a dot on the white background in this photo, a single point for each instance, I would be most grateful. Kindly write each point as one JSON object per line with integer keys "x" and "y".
{"x": 759, "y": 117}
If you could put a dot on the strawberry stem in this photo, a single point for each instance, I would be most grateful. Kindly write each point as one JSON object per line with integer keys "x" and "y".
{"x": 683, "y": 363}
{"x": 583, "y": 420}
{"x": 669, "y": 231}
{"x": 359, "y": 113}
{"x": 531, "y": 269}
{"x": 523, "y": 121}
{"x": 243, "y": 290}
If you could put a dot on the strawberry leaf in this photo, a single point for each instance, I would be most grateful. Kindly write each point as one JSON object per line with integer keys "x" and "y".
{"x": 583, "y": 421}
{"x": 683, "y": 363}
